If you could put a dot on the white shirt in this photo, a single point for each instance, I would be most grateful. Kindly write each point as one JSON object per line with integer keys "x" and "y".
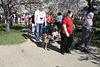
{"x": 40, "y": 14}
{"x": 14, "y": 15}
{"x": 59, "y": 18}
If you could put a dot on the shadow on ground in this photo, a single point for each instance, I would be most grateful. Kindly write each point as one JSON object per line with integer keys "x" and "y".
{"x": 93, "y": 56}
{"x": 28, "y": 35}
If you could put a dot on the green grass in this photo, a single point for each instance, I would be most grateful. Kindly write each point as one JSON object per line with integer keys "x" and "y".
{"x": 13, "y": 37}
{"x": 95, "y": 41}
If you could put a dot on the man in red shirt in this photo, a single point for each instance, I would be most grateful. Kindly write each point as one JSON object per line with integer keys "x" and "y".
{"x": 66, "y": 33}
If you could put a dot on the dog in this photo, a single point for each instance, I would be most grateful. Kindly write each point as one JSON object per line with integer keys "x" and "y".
{"x": 45, "y": 40}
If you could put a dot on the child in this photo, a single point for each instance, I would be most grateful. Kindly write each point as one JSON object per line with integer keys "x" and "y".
{"x": 55, "y": 32}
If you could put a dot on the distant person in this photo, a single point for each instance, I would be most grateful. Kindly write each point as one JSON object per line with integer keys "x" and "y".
{"x": 23, "y": 16}
{"x": 87, "y": 31}
{"x": 26, "y": 19}
{"x": 16, "y": 18}
{"x": 39, "y": 18}
{"x": 33, "y": 24}
{"x": 59, "y": 21}
{"x": 29, "y": 17}
{"x": 49, "y": 17}
{"x": 0, "y": 17}
{"x": 11, "y": 20}
{"x": 19, "y": 16}
{"x": 66, "y": 33}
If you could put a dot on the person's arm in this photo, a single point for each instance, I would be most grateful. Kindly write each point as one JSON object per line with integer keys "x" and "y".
{"x": 56, "y": 18}
{"x": 52, "y": 18}
{"x": 45, "y": 21}
{"x": 24, "y": 17}
{"x": 31, "y": 18}
{"x": 35, "y": 19}
{"x": 64, "y": 27}
{"x": 85, "y": 24}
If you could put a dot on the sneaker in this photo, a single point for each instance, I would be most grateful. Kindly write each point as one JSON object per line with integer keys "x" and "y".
{"x": 45, "y": 48}
{"x": 68, "y": 51}
{"x": 37, "y": 41}
{"x": 62, "y": 52}
{"x": 86, "y": 51}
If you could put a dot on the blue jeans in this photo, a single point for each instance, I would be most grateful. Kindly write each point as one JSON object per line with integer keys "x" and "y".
{"x": 11, "y": 23}
{"x": 38, "y": 31}
{"x": 15, "y": 20}
{"x": 48, "y": 28}
{"x": 59, "y": 26}
{"x": 44, "y": 29}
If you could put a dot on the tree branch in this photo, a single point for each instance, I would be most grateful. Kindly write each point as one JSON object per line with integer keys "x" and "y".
{"x": 2, "y": 2}
{"x": 1, "y": 5}
{"x": 9, "y": 2}
{"x": 11, "y": 6}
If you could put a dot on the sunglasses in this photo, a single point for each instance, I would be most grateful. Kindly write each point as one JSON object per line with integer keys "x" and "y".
{"x": 42, "y": 8}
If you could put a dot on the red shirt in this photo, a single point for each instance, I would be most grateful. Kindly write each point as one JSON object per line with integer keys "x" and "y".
{"x": 49, "y": 18}
{"x": 26, "y": 17}
{"x": 69, "y": 25}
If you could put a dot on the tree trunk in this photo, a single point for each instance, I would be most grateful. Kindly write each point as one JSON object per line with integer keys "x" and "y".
{"x": 7, "y": 26}
{"x": 7, "y": 29}
{"x": 90, "y": 4}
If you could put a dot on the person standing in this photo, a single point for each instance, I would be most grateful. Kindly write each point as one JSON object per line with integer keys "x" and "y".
{"x": 19, "y": 16}
{"x": 33, "y": 25}
{"x": 23, "y": 16}
{"x": 26, "y": 19}
{"x": 0, "y": 17}
{"x": 29, "y": 18}
{"x": 66, "y": 33}
{"x": 49, "y": 17}
{"x": 59, "y": 21}
{"x": 39, "y": 18}
{"x": 87, "y": 31}
{"x": 11, "y": 20}
{"x": 16, "y": 17}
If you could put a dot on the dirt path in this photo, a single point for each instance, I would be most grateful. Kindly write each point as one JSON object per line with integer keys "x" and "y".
{"x": 31, "y": 54}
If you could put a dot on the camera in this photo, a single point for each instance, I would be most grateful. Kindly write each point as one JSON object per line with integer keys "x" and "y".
{"x": 41, "y": 18}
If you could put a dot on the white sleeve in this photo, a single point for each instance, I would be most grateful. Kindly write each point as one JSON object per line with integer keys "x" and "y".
{"x": 35, "y": 13}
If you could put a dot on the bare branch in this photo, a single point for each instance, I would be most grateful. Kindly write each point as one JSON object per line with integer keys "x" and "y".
{"x": 2, "y": 2}
{"x": 11, "y": 6}
{"x": 9, "y": 2}
{"x": 1, "y": 5}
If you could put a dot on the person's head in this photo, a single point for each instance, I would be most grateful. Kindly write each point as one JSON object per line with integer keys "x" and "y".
{"x": 50, "y": 12}
{"x": 90, "y": 15}
{"x": 59, "y": 13}
{"x": 41, "y": 7}
{"x": 25, "y": 14}
{"x": 11, "y": 13}
{"x": 28, "y": 13}
{"x": 68, "y": 14}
